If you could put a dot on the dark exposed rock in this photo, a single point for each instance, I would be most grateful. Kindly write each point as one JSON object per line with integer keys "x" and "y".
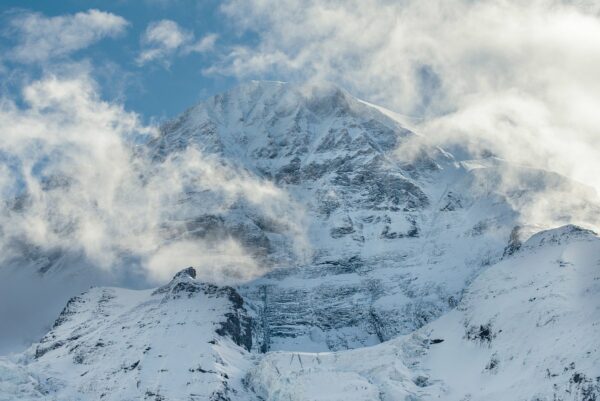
{"x": 353, "y": 264}
{"x": 482, "y": 333}
{"x": 584, "y": 387}
{"x": 452, "y": 203}
{"x": 190, "y": 271}
{"x": 492, "y": 365}
{"x": 289, "y": 174}
{"x": 514, "y": 242}
{"x": 378, "y": 325}
{"x": 238, "y": 327}
{"x": 421, "y": 381}
{"x": 338, "y": 232}
{"x": 183, "y": 282}
{"x": 41, "y": 351}
{"x": 133, "y": 366}
{"x": 69, "y": 310}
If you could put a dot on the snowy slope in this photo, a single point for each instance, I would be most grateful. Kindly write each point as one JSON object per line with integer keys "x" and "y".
{"x": 527, "y": 329}
{"x": 186, "y": 340}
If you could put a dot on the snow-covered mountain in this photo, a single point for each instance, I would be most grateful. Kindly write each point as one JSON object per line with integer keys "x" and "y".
{"x": 393, "y": 241}
{"x": 117, "y": 344}
{"x": 383, "y": 274}
{"x": 526, "y": 329}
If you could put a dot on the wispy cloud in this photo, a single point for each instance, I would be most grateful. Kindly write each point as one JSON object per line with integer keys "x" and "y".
{"x": 67, "y": 159}
{"x": 164, "y": 39}
{"x": 40, "y": 38}
{"x": 517, "y": 78}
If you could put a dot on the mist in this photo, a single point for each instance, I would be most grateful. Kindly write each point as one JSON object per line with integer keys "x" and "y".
{"x": 519, "y": 80}
{"x": 77, "y": 178}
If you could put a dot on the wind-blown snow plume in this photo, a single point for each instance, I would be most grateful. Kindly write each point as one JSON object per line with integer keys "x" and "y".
{"x": 74, "y": 179}
{"x": 518, "y": 79}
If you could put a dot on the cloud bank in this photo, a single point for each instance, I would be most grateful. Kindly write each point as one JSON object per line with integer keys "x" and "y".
{"x": 519, "y": 79}
{"x": 75, "y": 180}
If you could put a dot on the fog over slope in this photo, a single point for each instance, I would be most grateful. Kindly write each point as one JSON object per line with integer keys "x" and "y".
{"x": 517, "y": 79}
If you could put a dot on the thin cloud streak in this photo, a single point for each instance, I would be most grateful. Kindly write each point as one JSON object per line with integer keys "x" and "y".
{"x": 41, "y": 38}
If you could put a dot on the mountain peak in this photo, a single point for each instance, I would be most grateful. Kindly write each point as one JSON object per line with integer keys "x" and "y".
{"x": 560, "y": 235}
{"x": 187, "y": 272}
{"x": 320, "y": 98}
{"x": 182, "y": 281}
{"x": 270, "y": 123}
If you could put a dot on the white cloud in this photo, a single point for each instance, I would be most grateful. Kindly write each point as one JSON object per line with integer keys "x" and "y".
{"x": 41, "y": 38}
{"x": 207, "y": 43}
{"x": 519, "y": 78}
{"x": 87, "y": 192}
{"x": 164, "y": 39}
{"x": 221, "y": 262}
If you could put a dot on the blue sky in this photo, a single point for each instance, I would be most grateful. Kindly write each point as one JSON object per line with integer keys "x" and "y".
{"x": 154, "y": 89}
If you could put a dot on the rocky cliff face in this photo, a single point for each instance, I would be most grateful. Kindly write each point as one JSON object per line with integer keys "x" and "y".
{"x": 526, "y": 329}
